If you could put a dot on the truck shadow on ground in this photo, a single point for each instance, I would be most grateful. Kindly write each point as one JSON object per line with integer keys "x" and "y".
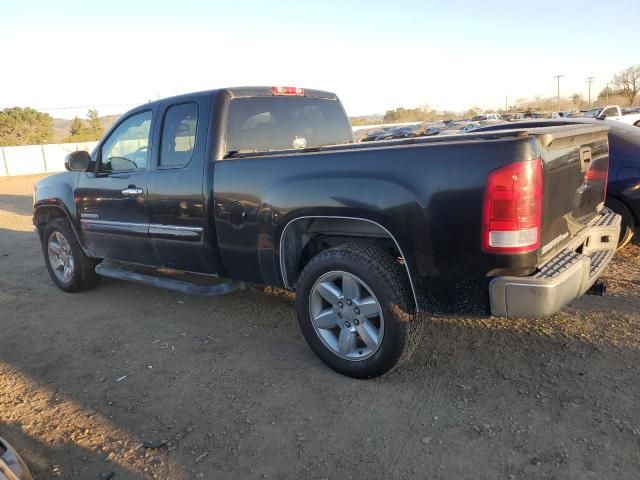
{"x": 235, "y": 374}
{"x": 18, "y": 204}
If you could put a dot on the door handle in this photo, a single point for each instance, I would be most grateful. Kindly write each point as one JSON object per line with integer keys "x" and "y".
{"x": 132, "y": 191}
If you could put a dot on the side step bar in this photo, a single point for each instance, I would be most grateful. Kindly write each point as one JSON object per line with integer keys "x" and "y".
{"x": 121, "y": 272}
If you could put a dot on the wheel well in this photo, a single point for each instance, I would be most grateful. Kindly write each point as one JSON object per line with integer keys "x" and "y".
{"x": 43, "y": 215}
{"x": 304, "y": 238}
{"x": 634, "y": 216}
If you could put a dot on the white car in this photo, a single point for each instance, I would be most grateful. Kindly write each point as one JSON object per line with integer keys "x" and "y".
{"x": 614, "y": 112}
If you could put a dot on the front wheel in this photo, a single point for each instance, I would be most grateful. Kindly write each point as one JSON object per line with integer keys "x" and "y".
{"x": 70, "y": 269}
{"x": 356, "y": 311}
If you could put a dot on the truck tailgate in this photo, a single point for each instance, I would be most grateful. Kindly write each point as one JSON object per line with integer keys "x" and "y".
{"x": 576, "y": 162}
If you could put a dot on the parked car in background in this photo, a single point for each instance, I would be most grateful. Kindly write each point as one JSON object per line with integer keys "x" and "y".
{"x": 623, "y": 186}
{"x": 460, "y": 127}
{"x": 12, "y": 467}
{"x": 266, "y": 185}
{"x": 373, "y": 135}
{"x": 400, "y": 132}
{"x": 507, "y": 117}
{"x": 433, "y": 129}
{"x": 486, "y": 117}
{"x": 613, "y": 112}
{"x": 559, "y": 114}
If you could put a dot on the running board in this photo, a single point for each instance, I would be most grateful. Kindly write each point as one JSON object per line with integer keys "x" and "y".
{"x": 122, "y": 272}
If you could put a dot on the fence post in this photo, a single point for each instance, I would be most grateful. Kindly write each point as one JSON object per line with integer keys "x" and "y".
{"x": 4, "y": 160}
{"x": 44, "y": 159}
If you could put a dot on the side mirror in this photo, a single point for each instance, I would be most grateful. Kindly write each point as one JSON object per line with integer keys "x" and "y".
{"x": 77, "y": 161}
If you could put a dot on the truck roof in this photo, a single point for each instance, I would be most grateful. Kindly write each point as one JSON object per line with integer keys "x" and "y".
{"x": 242, "y": 92}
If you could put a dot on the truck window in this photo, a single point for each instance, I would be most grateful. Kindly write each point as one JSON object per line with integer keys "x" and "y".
{"x": 126, "y": 148}
{"x": 178, "y": 135}
{"x": 262, "y": 124}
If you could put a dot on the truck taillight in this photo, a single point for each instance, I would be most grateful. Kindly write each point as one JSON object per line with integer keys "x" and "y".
{"x": 512, "y": 209}
{"x": 287, "y": 91}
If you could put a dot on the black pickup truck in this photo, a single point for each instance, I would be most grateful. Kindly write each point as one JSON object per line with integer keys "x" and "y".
{"x": 265, "y": 185}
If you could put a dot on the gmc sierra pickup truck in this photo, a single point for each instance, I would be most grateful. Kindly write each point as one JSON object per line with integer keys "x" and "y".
{"x": 265, "y": 185}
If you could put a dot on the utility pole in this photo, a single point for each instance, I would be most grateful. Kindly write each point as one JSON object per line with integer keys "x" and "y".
{"x": 558, "y": 77}
{"x": 590, "y": 80}
{"x": 506, "y": 103}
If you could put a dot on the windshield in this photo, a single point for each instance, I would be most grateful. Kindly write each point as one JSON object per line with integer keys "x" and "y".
{"x": 593, "y": 113}
{"x": 262, "y": 124}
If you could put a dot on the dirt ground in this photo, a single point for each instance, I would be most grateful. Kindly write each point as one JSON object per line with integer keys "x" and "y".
{"x": 126, "y": 381}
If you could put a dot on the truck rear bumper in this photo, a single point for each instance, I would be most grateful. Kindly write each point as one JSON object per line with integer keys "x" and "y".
{"x": 561, "y": 279}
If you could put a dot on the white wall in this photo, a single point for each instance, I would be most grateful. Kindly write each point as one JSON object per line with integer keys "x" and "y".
{"x": 31, "y": 159}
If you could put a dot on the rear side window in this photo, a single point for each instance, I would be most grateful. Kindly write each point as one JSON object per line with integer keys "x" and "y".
{"x": 262, "y": 124}
{"x": 178, "y": 135}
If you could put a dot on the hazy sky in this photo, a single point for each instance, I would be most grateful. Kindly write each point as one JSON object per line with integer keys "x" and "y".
{"x": 374, "y": 54}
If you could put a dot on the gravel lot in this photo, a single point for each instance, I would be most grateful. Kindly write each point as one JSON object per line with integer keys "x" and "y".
{"x": 126, "y": 381}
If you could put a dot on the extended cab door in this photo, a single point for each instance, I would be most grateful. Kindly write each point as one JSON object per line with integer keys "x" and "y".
{"x": 178, "y": 202}
{"x": 112, "y": 200}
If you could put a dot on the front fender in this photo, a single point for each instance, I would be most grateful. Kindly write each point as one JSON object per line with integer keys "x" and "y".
{"x": 57, "y": 192}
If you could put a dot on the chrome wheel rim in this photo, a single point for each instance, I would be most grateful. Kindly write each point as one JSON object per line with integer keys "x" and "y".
{"x": 346, "y": 316}
{"x": 60, "y": 257}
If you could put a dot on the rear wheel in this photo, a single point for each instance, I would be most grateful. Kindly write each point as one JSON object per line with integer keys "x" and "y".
{"x": 627, "y": 225}
{"x": 355, "y": 310}
{"x": 70, "y": 269}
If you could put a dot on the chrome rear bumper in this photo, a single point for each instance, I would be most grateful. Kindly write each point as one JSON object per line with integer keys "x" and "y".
{"x": 561, "y": 279}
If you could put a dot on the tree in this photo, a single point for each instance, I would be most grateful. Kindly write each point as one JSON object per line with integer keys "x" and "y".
{"x": 85, "y": 131}
{"x": 77, "y": 127}
{"x": 577, "y": 101}
{"x": 628, "y": 82}
{"x": 24, "y": 126}
{"x": 94, "y": 123}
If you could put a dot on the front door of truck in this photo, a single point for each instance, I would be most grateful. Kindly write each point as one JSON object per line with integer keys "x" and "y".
{"x": 112, "y": 200}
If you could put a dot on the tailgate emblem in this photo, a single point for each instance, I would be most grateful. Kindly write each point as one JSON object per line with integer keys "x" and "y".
{"x": 585, "y": 159}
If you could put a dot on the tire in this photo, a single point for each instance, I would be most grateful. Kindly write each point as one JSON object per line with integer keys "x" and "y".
{"x": 60, "y": 246}
{"x": 627, "y": 225}
{"x": 326, "y": 296}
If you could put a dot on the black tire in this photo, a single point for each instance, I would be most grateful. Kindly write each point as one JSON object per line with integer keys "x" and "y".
{"x": 84, "y": 275}
{"x": 628, "y": 224}
{"x": 386, "y": 278}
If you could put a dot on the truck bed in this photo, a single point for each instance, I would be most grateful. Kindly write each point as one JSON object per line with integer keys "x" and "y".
{"x": 428, "y": 191}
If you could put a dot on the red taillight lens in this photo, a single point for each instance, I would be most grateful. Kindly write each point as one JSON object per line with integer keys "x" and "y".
{"x": 287, "y": 91}
{"x": 512, "y": 209}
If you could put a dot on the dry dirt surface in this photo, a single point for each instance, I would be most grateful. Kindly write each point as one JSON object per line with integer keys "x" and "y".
{"x": 126, "y": 381}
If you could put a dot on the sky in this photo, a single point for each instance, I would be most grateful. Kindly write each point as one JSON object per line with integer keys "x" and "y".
{"x": 376, "y": 55}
